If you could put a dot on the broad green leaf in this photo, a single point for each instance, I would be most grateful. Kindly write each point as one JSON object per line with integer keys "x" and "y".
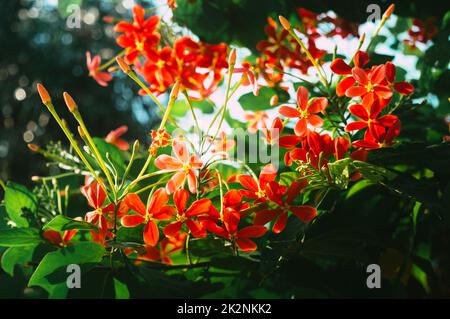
{"x": 51, "y": 273}
{"x": 249, "y": 102}
{"x": 374, "y": 173}
{"x": 18, "y": 200}
{"x": 339, "y": 172}
{"x": 61, "y": 223}
{"x": 16, "y": 256}
{"x": 16, "y": 237}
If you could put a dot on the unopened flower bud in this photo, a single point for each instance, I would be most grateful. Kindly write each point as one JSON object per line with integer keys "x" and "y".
{"x": 123, "y": 65}
{"x": 43, "y": 93}
{"x": 35, "y": 178}
{"x": 274, "y": 100}
{"x": 284, "y": 22}
{"x": 33, "y": 147}
{"x": 389, "y": 11}
{"x": 71, "y": 105}
{"x": 232, "y": 57}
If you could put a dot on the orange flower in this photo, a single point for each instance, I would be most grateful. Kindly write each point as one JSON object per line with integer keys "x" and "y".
{"x": 156, "y": 210}
{"x": 113, "y": 138}
{"x": 102, "y": 78}
{"x": 306, "y": 111}
{"x": 184, "y": 166}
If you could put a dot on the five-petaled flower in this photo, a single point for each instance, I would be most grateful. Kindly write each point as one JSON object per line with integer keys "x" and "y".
{"x": 185, "y": 216}
{"x": 182, "y": 164}
{"x": 283, "y": 197}
{"x": 156, "y": 210}
{"x": 113, "y": 138}
{"x": 306, "y": 111}
{"x": 93, "y": 66}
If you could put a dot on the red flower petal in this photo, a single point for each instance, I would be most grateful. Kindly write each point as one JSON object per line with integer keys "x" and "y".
{"x": 134, "y": 202}
{"x": 132, "y": 220}
{"x": 254, "y": 231}
{"x": 301, "y": 127}
{"x": 302, "y": 97}
{"x": 355, "y": 91}
{"x": 360, "y": 76}
{"x": 404, "y": 88}
{"x": 246, "y": 244}
{"x": 304, "y": 213}
{"x": 339, "y": 67}
{"x": 158, "y": 200}
{"x": 359, "y": 111}
{"x": 354, "y": 126}
{"x": 280, "y": 224}
{"x": 289, "y": 112}
{"x": 151, "y": 233}
{"x": 199, "y": 207}
{"x": 248, "y": 182}
{"x": 173, "y": 229}
{"x": 343, "y": 86}
{"x": 317, "y": 105}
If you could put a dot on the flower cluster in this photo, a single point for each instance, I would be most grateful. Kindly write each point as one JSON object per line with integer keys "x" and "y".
{"x": 197, "y": 65}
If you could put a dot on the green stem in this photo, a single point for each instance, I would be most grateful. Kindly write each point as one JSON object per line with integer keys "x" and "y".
{"x": 110, "y": 61}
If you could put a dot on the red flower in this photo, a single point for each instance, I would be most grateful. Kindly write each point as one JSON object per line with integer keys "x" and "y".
{"x": 102, "y": 78}
{"x": 403, "y": 88}
{"x": 256, "y": 120}
{"x": 113, "y": 138}
{"x": 167, "y": 246}
{"x": 274, "y": 46}
{"x": 248, "y": 76}
{"x": 340, "y": 67}
{"x": 138, "y": 36}
{"x": 384, "y": 137}
{"x": 96, "y": 197}
{"x": 306, "y": 111}
{"x": 368, "y": 118}
{"x": 229, "y": 230}
{"x": 255, "y": 189}
{"x": 160, "y": 69}
{"x": 197, "y": 208}
{"x": 284, "y": 197}
{"x": 155, "y": 211}
{"x": 55, "y": 238}
{"x": 184, "y": 166}
{"x": 160, "y": 139}
{"x": 369, "y": 83}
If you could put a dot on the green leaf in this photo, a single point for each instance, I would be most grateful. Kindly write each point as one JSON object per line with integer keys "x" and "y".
{"x": 121, "y": 290}
{"x": 61, "y": 223}
{"x": 16, "y": 256}
{"x": 18, "y": 199}
{"x": 51, "y": 273}
{"x": 17, "y": 237}
{"x": 374, "y": 173}
{"x": 339, "y": 172}
{"x": 249, "y": 102}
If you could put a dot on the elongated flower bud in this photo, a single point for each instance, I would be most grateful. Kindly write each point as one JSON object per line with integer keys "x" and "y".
{"x": 284, "y": 22}
{"x": 43, "y": 93}
{"x": 175, "y": 90}
{"x": 33, "y": 147}
{"x": 362, "y": 38}
{"x": 232, "y": 57}
{"x": 71, "y": 105}
{"x": 274, "y": 100}
{"x": 123, "y": 65}
{"x": 35, "y": 178}
{"x": 389, "y": 11}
